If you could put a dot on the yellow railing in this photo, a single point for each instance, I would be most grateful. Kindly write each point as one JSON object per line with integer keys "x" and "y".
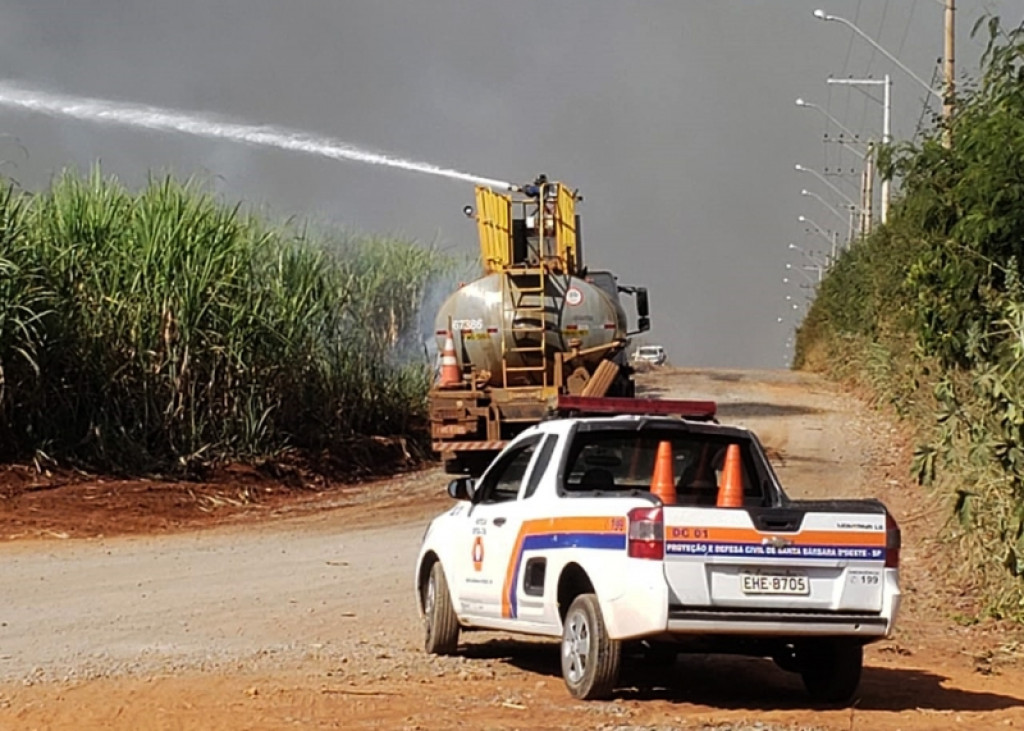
{"x": 494, "y": 213}
{"x": 565, "y": 228}
{"x": 554, "y": 228}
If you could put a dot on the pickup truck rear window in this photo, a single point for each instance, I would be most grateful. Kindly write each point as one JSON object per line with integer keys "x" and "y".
{"x": 616, "y": 462}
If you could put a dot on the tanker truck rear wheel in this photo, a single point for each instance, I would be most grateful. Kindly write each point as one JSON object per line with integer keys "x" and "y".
{"x": 453, "y": 466}
{"x": 468, "y": 464}
{"x": 623, "y": 386}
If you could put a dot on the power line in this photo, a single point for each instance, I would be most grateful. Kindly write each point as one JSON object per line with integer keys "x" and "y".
{"x": 825, "y": 155}
{"x": 845, "y": 73}
{"x": 926, "y": 106}
{"x": 846, "y": 61}
{"x": 906, "y": 28}
{"x": 885, "y": 13}
{"x": 906, "y": 33}
{"x": 871, "y": 62}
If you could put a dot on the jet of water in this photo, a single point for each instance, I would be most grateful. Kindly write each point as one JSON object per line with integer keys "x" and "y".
{"x": 167, "y": 120}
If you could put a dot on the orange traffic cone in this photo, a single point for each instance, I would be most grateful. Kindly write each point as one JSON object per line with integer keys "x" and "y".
{"x": 730, "y": 492}
{"x": 450, "y": 374}
{"x": 663, "y": 481}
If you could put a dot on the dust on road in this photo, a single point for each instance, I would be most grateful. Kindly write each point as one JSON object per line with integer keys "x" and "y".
{"x": 300, "y": 613}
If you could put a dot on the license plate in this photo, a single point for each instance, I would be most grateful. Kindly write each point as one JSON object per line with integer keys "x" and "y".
{"x": 759, "y": 583}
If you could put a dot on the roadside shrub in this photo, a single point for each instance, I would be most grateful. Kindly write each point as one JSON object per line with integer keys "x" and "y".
{"x": 929, "y": 312}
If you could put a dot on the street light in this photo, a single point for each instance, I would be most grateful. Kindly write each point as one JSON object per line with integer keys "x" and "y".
{"x": 802, "y": 273}
{"x": 825, "y": 234}
{"x": 845, "y": 219}
{"x": 854, "y": 137}
{"x": 830, "y": 237}
{"x": 811, "y": 283}
{"x": 855, "y": 210}
{"x": 827, "y": 182}
{"x": 809, "y": 255}
{"x": 822, "y": 15}
{"x": 816, "y": 263}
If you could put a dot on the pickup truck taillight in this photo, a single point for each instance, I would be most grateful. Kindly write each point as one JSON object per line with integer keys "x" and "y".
{"x": 646, "y": 534}
{"x": 893, "y": 541}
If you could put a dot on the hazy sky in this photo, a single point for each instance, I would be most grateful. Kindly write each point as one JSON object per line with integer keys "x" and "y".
{"x": 675, "y": 119}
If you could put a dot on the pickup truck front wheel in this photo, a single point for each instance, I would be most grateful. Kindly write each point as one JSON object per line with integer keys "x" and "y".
{"x": 590, "y": 659}
{"x": 441, "y": 626}
{"x": 831, "y": 669}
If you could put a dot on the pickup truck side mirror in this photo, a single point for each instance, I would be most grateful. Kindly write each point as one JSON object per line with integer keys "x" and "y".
{"x": 461, "y": 488}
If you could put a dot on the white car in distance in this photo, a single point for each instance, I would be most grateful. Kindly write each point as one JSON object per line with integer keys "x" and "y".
{"x": 650, "y": 355}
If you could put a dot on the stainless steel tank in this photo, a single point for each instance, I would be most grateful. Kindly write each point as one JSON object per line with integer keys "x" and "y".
{"x": 572, "y": 312}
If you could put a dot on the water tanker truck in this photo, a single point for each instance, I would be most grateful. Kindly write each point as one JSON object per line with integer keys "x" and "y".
{"x": 536, "y": 326}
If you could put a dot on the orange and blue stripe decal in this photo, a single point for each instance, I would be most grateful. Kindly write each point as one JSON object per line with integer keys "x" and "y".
{"x": 607, "y": 533}
{"x": 750, "y": 543}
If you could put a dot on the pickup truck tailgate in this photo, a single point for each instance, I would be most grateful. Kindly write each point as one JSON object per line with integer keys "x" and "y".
{"x": 785, "y": 559}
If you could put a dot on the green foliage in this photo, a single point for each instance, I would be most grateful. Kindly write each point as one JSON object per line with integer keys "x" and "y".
{"x": 934, "y": 303}
{"x": 165, "y": 330}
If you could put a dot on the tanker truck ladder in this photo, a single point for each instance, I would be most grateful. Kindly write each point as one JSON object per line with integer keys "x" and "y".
{"x": 523, "y": 301}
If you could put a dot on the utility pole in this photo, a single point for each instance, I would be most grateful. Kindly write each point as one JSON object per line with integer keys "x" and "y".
{"x": 886, "y": 141}
{"x": 949, "y": 92}
{"x": 867, "y": 190}
{"x": 946, "y": 97}
{"x": 885, "y": 82}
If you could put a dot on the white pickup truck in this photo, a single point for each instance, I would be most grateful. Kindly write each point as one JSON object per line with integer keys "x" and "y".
{"x": 593, "y": 530}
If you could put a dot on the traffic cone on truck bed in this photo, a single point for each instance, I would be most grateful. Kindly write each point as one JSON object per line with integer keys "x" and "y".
{"x": 730, "y": 492}
{"x": 450, "y": 374}
{"x": 663, "y": 480}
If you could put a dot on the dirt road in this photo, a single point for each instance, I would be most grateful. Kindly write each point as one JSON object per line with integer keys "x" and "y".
{"x": 302, "y": 615}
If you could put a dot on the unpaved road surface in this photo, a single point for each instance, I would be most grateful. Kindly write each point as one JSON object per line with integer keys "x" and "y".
{"x": 301, "y": 614}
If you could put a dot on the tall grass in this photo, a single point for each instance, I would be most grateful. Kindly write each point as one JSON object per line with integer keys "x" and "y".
{"x": 164, "y": 329}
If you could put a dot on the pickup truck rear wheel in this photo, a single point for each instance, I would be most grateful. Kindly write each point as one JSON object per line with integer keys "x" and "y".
{"x": 590, "y": 659}
{"x": 441, "y": 626}
{"x": 831, "y": 669}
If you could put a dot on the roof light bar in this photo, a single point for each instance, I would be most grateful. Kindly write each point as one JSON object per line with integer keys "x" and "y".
{"x": 704, "y": 410}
